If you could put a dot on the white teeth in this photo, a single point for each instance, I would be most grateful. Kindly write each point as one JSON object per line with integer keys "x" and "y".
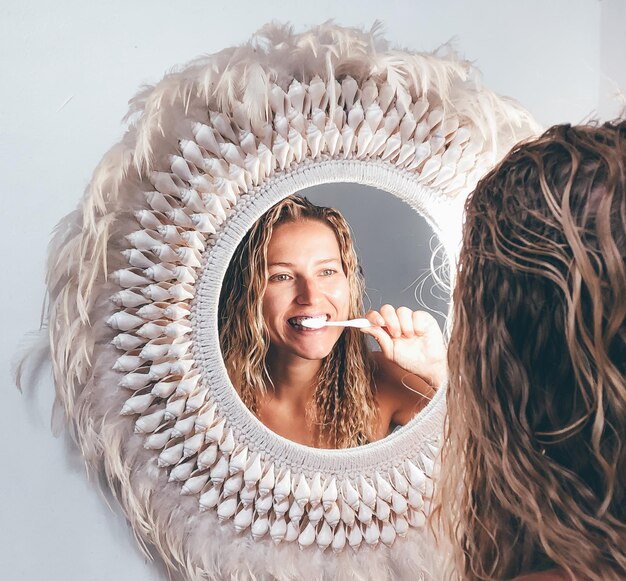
{"x": 316, "y": 321}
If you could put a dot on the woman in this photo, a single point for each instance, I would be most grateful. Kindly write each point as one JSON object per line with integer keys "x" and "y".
{"x": 534, "y": 466}
{"x": 319, "y": 387}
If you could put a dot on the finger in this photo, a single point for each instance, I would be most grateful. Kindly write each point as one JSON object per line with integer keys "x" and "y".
{"x": 375, "y": 318}
{"x": 382, "y": 338}
{"x": 424, "y": 323}
{"x": 405, "y": 317}
{"x": 391, "y": 320}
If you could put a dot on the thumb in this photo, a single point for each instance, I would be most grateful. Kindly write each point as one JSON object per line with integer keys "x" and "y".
{"x": 382, "y": 338}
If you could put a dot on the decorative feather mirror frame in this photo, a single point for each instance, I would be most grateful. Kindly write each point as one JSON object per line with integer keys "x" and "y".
{"x": 134, "y": 281}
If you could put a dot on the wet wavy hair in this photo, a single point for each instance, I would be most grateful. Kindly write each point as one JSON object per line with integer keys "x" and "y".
{"x": 534, "y": 463}
{"x": 344, "y": 406}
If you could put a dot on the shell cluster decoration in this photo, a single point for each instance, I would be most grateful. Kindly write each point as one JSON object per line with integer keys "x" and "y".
{"x": 124, "y": 270}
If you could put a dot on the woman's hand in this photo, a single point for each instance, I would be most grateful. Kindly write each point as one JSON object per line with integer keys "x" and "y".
{"x": 412, "y": 340}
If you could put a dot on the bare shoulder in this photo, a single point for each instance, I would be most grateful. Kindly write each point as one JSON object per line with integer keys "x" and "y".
{"x": 388, "y": 376}
{"x": 399, "y": 393}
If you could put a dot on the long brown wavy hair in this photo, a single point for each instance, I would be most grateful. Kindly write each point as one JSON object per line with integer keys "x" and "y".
{"x": 344, "y": 406}
{"x": 534, "y": 463}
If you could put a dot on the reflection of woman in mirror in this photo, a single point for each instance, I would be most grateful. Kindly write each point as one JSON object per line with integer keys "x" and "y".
{"x": 319, "y": 387}
{"x": 533, "y": 475}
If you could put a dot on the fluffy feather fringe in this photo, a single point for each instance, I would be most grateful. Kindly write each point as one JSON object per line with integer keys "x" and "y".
{"x": 87, "y": 247}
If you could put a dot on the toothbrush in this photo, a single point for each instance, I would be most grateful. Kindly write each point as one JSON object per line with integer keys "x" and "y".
{"x": 318, "y": 323}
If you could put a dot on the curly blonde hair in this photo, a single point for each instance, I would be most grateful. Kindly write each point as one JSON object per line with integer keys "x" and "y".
{"x": 534, "y": 463}
{"x": 344, "y": 406}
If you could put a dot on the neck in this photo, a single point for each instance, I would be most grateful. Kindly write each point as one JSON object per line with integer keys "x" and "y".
{"x": 294, "y": 379}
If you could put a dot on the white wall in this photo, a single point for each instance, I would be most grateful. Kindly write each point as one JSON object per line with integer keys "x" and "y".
{"x": 68, "y": 69}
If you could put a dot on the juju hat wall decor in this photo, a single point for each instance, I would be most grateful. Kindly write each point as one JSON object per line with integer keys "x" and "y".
{"x": 134, "y": 280}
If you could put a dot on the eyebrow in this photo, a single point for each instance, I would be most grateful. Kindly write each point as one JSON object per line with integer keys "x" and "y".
{"x": 290, "y": 264}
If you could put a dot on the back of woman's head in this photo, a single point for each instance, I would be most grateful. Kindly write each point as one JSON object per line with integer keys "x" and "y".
{"x": 534, "y": 466}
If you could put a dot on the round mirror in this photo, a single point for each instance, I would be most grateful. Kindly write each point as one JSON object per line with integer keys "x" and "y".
{"x": 319, "y": 257}
{"x": 138, "y": 270}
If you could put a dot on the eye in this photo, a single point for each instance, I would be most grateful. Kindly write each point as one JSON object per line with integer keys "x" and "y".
{"x": 328, "y": 272}
{"x": 282, "y": 277}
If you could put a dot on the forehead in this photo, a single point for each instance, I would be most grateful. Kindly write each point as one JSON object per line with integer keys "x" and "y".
{"x": 302, "y": 239}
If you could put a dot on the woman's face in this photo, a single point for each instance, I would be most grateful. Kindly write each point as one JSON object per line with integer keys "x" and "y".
{"x": 305, "y": 279}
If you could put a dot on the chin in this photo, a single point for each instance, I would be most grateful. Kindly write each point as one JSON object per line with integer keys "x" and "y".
{"x": 316, "y": 355}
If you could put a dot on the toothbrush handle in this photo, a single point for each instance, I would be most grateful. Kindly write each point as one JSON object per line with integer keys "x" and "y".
{"x": 360, "y": 323}
{"x": 356, "y": 323}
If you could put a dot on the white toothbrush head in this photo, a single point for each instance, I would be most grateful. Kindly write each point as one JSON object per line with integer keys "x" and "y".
{"x": 314, "y": 322}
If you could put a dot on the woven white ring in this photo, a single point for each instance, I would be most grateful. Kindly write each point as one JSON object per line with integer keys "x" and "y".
{"x": 416, "y": 436}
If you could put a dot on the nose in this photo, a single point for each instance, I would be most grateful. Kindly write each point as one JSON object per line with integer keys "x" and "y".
{"x": 309, "y": 292}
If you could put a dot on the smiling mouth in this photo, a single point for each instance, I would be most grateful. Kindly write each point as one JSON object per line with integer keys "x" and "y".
{"x": 296, "y": 322}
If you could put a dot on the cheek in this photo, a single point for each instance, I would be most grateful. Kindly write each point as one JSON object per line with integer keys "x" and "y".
{"x": 267, "y": 305}
{"x": 267, "y": 310}
{"x": 340, "y": 296}
{"x": 273, "y": 303}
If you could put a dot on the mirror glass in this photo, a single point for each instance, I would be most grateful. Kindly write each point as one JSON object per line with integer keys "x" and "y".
{"x": 302, "y": 266}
